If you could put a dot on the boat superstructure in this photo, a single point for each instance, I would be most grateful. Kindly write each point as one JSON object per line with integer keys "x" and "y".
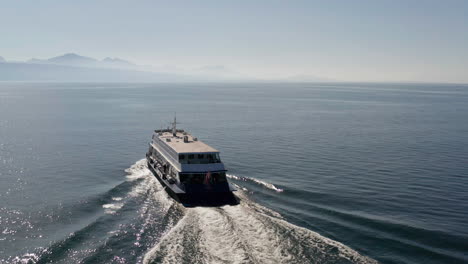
{"x": 190, "y": 170}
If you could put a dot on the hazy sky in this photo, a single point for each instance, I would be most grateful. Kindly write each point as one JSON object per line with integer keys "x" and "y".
{"x": 412, "y": 40}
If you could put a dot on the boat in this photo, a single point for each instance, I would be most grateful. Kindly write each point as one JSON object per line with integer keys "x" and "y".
{"x": 191, "y": 171}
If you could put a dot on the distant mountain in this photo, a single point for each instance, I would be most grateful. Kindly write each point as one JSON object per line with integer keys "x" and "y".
{"x": 67, "y": 59}
{"x": 117, "y": 61}
{"x": 73, "y": 59}
{"x": 2, "y": 59}
{"x": 34, "y": 60}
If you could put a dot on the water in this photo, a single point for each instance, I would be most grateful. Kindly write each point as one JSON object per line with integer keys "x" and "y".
{"x": 327, "y": 173}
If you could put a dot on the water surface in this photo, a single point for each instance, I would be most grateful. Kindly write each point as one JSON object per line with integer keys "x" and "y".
{"x": 327, "y": 173}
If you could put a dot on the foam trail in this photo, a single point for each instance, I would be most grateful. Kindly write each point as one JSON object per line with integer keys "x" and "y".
{"x": 265, "y": 184}
{"x": 138, "y": 170}
{"x": 26, "y": 258}
{"x": 247, "y": 233}
{"x": 112, "y": 208}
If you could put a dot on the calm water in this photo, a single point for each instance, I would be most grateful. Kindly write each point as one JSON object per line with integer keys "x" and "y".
{"x": 327, "y": 173}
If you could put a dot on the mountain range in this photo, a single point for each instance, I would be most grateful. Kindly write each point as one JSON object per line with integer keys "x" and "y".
{"x": 71, "y": 67}
{"x": 74, "y": 67}
{"x": 73, "y": 59}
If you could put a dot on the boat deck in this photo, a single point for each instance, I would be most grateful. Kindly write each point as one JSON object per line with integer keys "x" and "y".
{"x": 191, "y": 146}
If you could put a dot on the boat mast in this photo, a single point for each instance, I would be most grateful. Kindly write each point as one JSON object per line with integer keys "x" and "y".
{"x": 174, "y": 129}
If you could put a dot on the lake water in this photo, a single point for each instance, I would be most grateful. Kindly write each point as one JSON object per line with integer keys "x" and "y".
{"x": 327, "y": 173}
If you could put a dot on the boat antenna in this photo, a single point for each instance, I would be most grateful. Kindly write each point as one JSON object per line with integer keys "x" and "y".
{"x": 174, "y": 124}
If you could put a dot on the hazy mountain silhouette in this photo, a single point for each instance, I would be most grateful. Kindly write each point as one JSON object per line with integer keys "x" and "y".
{"x": 74, "y": 67}
{"x": 34, "y": 60}
{"x": 2, "y": 59}
{"x": 73, "y": 59}
{"x": 116, "y": 62}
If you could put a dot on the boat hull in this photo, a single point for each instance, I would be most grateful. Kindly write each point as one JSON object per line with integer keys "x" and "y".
{"x": 194, "y": 199}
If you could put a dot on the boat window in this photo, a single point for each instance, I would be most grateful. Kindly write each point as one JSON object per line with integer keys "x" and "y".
{"x": 213, "y": 158}
{"x": 201, "y": 158}
{"x": 218, "y": 177}
{"x": 203, "y": 178}
{"x": 191, "y": 178}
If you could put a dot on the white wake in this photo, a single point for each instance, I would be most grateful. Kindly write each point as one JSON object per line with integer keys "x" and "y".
{"x": 263, "y": 183}
{"x": 245, "y": 233}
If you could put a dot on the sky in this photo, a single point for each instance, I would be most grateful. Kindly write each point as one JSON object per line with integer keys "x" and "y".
{"x": 372, "y": 40}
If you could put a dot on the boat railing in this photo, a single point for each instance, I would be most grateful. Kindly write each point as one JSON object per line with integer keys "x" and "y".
{"x": 166, "y": 153}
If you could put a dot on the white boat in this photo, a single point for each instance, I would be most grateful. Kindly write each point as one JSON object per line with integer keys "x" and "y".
{"x": 190, "y": 170}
